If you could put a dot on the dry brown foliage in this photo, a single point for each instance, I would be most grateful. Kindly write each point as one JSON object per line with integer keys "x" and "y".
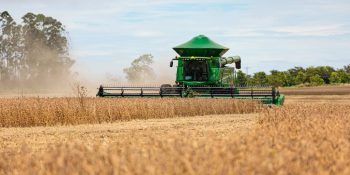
{"x": 20, "y": 112}
{"x": 294, "y": 139}
{"x": 303, "y": 139}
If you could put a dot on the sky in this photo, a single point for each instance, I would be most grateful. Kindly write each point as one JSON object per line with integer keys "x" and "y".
{"x": 105, "y": 36}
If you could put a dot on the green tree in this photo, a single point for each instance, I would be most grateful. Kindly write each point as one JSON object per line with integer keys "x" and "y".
{"x": 346, "y": 73}
{"x": 343, "y": 76}
{"x": 241, "y": 79}
{"x": 323, "y": 71}
{"x": 316, "y": 80}
{"x": 300, "y": 78}
{"x": 260, "y": 79}
{"x": 46, "y": 47}
{"x": 326, "y": 72}
{"x": 347, "y": 69}
{"x": 291, "y": 76}
{"x": 335, "y": 78}
{"x": 289, "y": 79}
{"x": 11, "y": 53}
{"x": 277, "y": 78}
{"x": 140, "y": 69}
{"x": 35, "y": 51}
{"x": 250, "y": 81}
{"x": 294, "y": 71}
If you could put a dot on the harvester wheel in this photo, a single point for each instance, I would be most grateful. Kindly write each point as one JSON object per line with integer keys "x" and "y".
{"x": 177, "y": 89}
{"x": 165, "y": 89}
{"x": 165, "y": 85}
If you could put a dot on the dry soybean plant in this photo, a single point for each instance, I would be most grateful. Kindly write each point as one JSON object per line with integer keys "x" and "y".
{"x": 294, "y": 139}
{"x": 70, "y": 111}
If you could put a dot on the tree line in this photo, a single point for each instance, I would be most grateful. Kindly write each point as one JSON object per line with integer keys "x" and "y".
{"x": 310, "y": 76}
{"x": 34, "y": 52}
{"x": 140, "y": 69}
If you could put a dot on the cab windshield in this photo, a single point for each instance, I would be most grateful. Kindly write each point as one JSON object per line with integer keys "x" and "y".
{"x": 196, "y": 70}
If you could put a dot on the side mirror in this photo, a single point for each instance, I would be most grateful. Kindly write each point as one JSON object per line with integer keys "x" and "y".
{"x": 238, "y": 64}
{"x": 171, "y": 63}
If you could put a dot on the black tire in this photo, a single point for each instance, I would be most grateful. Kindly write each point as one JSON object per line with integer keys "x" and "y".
{"x": 164, "y": 89}
{"x": 177, "y": 89}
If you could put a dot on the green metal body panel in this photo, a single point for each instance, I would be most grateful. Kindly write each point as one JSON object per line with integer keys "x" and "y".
{"x": 217, "y": 76}
{"x": 280, "y": 100}
{"x": 201, "y": 46}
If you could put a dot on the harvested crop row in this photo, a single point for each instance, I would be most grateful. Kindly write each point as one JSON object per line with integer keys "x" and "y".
{"x": 21, "y": 112}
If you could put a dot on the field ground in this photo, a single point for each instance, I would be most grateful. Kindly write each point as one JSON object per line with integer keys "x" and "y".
{"x": 40, "y": 137}
{"x": 318, "y": 99}
{"x": 309, "y": 135}
{"x": 319, "y": 90}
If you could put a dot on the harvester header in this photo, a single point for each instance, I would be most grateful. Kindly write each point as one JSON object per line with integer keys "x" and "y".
{"x": 202, "y": 71}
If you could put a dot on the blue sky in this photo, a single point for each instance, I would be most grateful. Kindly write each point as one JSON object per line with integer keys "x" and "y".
{"x": 105, "y": 36}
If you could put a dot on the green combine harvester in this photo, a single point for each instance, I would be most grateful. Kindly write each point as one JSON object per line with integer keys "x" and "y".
{"x": 202, "y": 71}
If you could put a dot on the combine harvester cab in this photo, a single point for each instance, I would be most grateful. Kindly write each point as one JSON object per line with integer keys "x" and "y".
{"x": 202, "y": 71}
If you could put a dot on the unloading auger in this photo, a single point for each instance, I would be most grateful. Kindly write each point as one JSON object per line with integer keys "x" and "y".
{"x": 202, "y": 71}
